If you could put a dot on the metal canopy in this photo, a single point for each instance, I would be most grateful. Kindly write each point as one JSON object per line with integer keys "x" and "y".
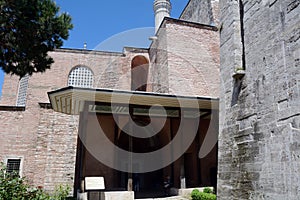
{"x": 71, "y": 100}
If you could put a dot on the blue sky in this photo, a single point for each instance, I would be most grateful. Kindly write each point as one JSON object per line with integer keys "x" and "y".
{"x": 102, "y": 21}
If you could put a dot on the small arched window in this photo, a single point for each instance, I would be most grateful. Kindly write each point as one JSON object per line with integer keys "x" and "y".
{"x": 81, "y": 76}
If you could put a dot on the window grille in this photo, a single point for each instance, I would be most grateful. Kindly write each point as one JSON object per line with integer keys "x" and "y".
{"x": 22, "y": 93}
{"x": 81, "y": 77}
{"x": 13, "y": 166}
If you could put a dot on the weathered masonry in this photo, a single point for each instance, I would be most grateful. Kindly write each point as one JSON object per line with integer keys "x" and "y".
{"x": 259, "y": 140}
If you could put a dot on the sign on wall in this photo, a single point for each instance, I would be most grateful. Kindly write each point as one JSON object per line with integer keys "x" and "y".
{"x": 94, "y": 183}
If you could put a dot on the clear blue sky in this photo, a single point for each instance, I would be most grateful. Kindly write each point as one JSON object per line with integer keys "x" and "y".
{"x": 96, "y": 21}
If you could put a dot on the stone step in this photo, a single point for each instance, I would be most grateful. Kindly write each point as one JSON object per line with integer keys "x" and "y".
{"x": 167, "y": 198}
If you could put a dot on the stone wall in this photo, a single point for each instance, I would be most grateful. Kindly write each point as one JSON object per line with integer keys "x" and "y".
{"x": 202, "y": 11}
{"x": 259, "y": 151}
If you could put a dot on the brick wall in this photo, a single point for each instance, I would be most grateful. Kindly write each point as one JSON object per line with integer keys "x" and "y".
{"x": 55, "y": 151}
{"x": 159, "y": 63}
{"x": 259, "y": 113}
{"x": 9, "y": 90}
{"x": 185, "y": 59}
{"x": 45, "y": 139}
{"x": 193, "y": 59}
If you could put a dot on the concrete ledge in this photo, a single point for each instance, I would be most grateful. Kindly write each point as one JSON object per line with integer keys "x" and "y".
{"x": 168, "y": 198}
{"x": 122, "y": 195}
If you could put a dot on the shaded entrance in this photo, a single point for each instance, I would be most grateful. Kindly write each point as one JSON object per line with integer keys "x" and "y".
{"x": 145, "y": 185}
{"x": 104, "y": 125}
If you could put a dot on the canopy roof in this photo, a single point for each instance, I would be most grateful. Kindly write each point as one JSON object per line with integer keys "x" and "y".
{"x": 71, "y": 100}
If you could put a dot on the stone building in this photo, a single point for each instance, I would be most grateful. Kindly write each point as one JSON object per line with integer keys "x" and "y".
{"x": 41, "y": 119}
{"x": 259, "y": 152}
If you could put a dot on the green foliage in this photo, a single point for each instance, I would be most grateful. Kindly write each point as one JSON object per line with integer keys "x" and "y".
{"x": 12, "y": 187}
{"x": 207, "y": 190}
{"x": 197, "y": 195}
{"x": 61, "y": 192}
{"x": 29, "y": 29}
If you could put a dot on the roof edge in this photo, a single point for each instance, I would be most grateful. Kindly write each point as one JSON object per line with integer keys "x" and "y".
{"x": 12, "y": 108}
{"x": 189, "y": 23}
{"x": 135, "y": 49}
{"x": 133, "y": 92}
{"x": 185, "y": 23}
{"x": 88, "y": 51}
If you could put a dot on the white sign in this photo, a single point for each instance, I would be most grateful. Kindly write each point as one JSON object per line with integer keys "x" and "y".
{"x": 94, "y": 183}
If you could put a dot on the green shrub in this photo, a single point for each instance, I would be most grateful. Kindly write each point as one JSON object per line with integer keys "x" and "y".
{"x": 61, "y": 192}
{"x": 12, "y": 187}
{"x": 197, "y": 195}
{"x": 207, "y": 190}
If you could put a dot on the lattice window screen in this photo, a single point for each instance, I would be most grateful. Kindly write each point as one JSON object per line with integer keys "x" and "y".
{"x": 22, "y": 93}
{"x": 13, "y": 166}
{"x": 81, "y": 77}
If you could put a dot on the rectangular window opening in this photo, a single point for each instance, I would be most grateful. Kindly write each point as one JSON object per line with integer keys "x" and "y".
{"x": 13, "y": 166}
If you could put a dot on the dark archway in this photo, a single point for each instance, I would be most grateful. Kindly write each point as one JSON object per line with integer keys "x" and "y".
{"x": 145, "y": 185}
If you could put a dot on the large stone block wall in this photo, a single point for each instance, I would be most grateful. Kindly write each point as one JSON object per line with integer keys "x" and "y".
{"x": 259, "y": 150}
{"x": 202, "y": 11}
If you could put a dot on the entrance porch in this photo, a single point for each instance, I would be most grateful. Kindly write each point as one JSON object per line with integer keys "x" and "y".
{"x": 141, "y": 141}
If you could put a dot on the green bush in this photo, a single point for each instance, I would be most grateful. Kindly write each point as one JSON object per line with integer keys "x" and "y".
{"x": 197, "y": 195}
{"x": 207, "y": 190}
{"x": 12, "y": 187}
{"x": 61, "y": 192}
